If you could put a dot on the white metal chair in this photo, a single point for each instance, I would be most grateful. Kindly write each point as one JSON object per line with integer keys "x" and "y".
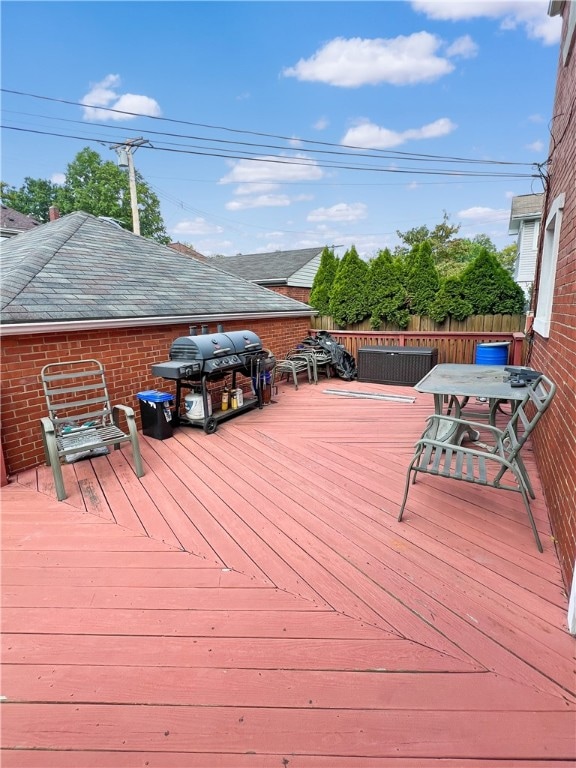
{"x": 440, "y": 451}
{"x": 80, "y": 416}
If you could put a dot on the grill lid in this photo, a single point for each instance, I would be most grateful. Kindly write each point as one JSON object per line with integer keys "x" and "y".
{"x": 205, "y": 347}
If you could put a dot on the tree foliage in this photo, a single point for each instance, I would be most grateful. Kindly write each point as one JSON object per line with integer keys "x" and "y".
{"x": 349, "y": 299}
{"x": 422, "y": 281}
{"x": 94, "y": 186}
{"x": 34, "y": 197}
{"x": 323, "y": 281}
{"x": 387, "y": 294}
{"x": 451, "y": 253}
{"x": 489, "y": 288}
{"x": 449, "y": 302}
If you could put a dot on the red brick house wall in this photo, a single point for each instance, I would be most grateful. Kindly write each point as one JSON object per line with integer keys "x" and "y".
{"x": 127, "y": 354}
{"x": 555, "y": 442}
{"x": 300, "y": 294}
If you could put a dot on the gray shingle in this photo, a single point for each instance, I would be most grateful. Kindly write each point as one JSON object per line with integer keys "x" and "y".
{"x": 276, "y": 265}
{"x": 79, "y": 266}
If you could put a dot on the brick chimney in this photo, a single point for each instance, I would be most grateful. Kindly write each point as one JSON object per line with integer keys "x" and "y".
{"x": 53, "y": 213}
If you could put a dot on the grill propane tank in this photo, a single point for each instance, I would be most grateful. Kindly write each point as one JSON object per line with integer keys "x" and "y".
{"x": 194, "y": 406}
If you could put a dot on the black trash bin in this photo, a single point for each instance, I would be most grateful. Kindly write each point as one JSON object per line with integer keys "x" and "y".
{"x": 156, "y": 413}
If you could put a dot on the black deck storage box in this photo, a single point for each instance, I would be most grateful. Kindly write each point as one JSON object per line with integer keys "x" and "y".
{"x": 395, "y": 365}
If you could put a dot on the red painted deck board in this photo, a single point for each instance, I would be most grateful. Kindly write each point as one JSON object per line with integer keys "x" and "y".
{"x": 317, "y": 732}
{"x": 252, "y": 602}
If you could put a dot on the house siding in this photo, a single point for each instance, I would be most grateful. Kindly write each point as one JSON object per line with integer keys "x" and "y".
{"x": 527, "y": 252}
{"x": 127, "y": 354}
{"x": 555, "y": 444}
{"x": 304, "y": 277}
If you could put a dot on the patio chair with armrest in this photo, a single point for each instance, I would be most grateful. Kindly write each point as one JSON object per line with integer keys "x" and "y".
{"x": 296, "y": 362}
{"x": 80, "y": 417}
{"x": 440, "y": 450}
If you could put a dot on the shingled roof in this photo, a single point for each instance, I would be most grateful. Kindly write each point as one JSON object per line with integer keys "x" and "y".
{"x": 80, "y": 267}
{"x": 13, "y": 222}
{"x": 525, "y": 207}
{"x": 276, "y": 267}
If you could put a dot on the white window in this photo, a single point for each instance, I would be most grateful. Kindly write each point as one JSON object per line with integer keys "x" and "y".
{"x": 536, "y": 233}
{"x": 569, "y": 39}
{"x": 547, "y": 278}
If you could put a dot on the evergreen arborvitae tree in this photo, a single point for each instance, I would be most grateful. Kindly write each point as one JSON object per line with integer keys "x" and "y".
{"x": 323, "y": 281}
{"x": 387, "y": 295}
{"x": 422, "y": 282}
{"x": 449, "y": 302}
{"x": 490, "y": 288}
{"x": 348, "y": 302}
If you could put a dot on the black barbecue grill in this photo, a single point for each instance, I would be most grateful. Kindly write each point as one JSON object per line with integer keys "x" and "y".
{"x": 197, "y": 360}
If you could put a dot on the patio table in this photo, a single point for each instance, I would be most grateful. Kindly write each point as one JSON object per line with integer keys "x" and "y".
{"x": 456, "y": 380}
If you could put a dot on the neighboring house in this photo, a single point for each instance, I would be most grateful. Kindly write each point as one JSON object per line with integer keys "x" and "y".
{"x": 80, "y": 287}
{"x": 187, "y": 251}
{"x": 13, "y": 222}
{"x": 554, "y": 305}
{"x": 288, "y": 272}
{"x": 525, "y": 217}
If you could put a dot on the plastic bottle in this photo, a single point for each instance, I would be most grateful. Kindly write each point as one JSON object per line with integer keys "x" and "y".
{"x": 233, "y": 400}
{"x": 225, "y": 398}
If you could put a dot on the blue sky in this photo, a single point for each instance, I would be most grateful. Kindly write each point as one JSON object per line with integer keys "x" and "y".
{"x": 276, "y": 87}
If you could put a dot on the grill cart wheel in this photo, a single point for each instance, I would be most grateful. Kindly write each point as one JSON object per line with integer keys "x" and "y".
{"x": 210, "y": 426}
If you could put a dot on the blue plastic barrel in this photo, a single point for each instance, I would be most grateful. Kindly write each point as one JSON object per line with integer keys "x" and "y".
{"x": 492, "y": 353}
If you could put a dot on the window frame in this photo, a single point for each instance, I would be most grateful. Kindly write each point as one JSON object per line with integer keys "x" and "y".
{"x": 549, "y": 260}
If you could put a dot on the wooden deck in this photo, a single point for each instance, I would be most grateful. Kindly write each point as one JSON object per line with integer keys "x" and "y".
{"x": 252, "y": 602}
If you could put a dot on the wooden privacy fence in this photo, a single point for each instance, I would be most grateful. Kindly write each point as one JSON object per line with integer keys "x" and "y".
{"x": 452, "y": 347}
{"x": 473, "y": 324}
{"x": 455, "y": 340}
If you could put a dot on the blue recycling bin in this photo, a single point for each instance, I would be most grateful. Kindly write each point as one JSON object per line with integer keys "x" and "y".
{"x": 156, "y": 413}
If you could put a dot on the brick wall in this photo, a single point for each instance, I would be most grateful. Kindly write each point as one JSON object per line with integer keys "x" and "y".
{"x": 300, "y": 294}
{"x": 127, "y": 354}
{"x": 555, "y": 441}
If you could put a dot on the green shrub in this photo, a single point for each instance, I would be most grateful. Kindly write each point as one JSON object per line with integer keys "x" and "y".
{"x": 449, "y": 302}
{"x": 386, "y": 293}
{"x": 422, "y": 282}
{"x": 348, "y": 300}
{"x": 490, "y": 288}
{"x": 323, "y": 281}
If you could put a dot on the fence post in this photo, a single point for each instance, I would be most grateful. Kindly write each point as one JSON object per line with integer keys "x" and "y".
{"x": 517, "y": 344}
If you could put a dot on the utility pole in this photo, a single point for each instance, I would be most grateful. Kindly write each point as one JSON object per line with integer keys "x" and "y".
{"x": 125, "y": 160}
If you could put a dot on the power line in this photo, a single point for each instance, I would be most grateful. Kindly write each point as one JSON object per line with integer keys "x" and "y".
{"x": 380, "y": 153}
{"x": 305, "y": 162}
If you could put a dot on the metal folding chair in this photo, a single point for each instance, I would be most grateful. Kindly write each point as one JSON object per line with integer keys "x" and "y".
{"x": 440, "y": 450}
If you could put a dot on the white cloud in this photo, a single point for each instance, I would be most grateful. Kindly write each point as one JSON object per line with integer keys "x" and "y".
{"x": 464, "y": 47}
{"x": 353, "y": 62}
{"x": 105, "y": 94}
{"x": 479, "y": 214}
{"x": 339, "y": 212}
{"x": 261, "y": 201}
{"x": 530, "y": 14}
{"x": 58, "y": 178}
{"x": 367, "y": 134}
{"x": 251, "y": 189}
{"x": 509, "y": 195}
{"x": 535, "y": 118}
{"x": 536, "y": 146}
{"x": 321, "y": 124}
{"x": 197, "y": 226}
{"x": 266, "y": 170}
{"x": 295, "y": 141}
